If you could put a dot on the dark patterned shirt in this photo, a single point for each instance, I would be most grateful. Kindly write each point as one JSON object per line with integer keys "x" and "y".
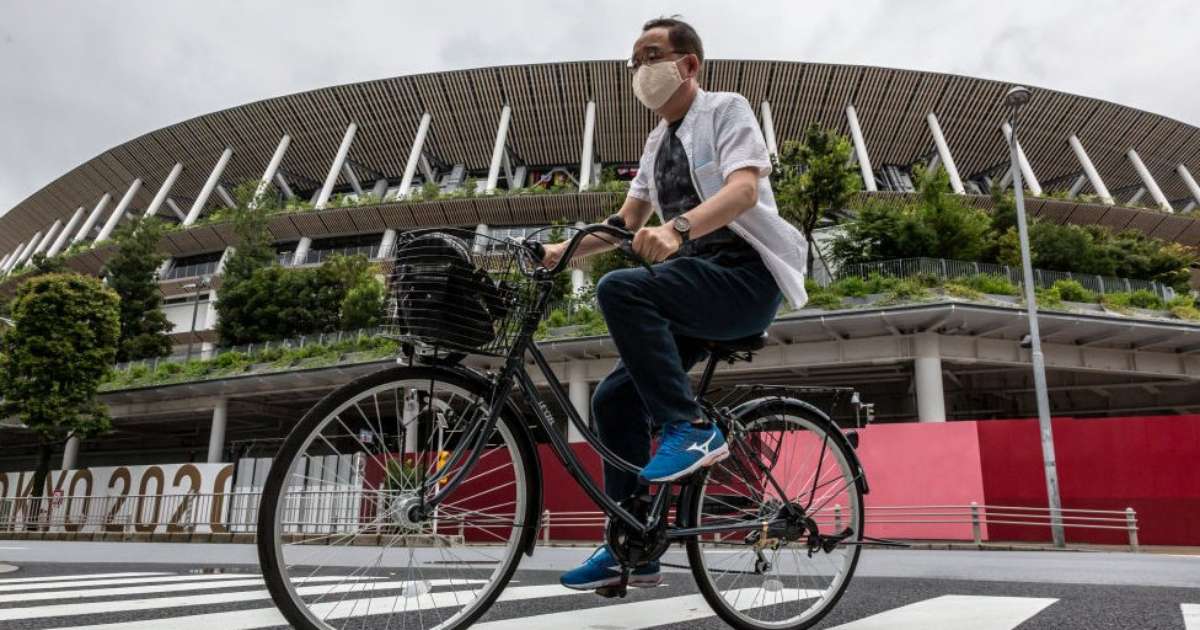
{"x": 677, "y": 194}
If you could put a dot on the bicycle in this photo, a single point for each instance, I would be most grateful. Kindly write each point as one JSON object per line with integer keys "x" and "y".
{"x": 423, "y": 478}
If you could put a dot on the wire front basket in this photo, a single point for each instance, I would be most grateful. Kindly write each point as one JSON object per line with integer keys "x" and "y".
{"x": 454, "y": 290}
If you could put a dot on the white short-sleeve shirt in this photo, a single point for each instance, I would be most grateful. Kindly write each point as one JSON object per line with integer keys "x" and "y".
{"x": 720, "y": 135}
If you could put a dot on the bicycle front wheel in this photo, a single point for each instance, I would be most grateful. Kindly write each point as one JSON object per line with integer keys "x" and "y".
{"x": 784, "y": 459}
{"x": 344, "y": 536}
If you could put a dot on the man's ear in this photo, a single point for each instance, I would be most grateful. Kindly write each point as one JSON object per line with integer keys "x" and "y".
{"x": 692, "y": 63}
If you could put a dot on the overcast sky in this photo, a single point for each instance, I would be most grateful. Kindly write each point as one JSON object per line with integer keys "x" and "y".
{"x": 77, "y": 78}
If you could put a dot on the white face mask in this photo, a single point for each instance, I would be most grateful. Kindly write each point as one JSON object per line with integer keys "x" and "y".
{"x": 655, "y": 83}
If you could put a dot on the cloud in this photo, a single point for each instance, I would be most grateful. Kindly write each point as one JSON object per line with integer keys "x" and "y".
{"x": 82, "y": 77}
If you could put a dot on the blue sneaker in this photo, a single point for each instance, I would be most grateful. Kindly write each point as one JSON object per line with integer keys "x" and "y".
{"x": 601, "y": 569}
{"x": 685, "y": 448}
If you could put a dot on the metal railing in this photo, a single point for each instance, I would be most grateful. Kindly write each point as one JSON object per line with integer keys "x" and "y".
{"x": 943, "y": 268}
{"x": 251, "y": 348}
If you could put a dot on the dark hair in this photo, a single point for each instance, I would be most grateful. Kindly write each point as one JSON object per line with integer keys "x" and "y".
{"x": 682, "y": 36}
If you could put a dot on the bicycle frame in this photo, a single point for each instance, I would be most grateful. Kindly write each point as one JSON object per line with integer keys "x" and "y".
{"x": 514, "y": 370}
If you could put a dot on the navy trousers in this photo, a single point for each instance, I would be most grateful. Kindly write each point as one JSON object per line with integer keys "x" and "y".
{"x": 657, "y": 322}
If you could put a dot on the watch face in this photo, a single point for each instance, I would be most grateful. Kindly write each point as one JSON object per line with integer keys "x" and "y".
{"x": 682, "y": 224}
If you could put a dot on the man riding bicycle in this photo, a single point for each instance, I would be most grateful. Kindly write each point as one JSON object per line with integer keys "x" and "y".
{"x": 724, "y": 261}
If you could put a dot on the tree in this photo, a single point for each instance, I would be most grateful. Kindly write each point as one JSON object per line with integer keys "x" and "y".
{"x": 131, "y": 272}
{"x": 62, "y": 345}
{"x": 253, "y": 251}
{"x": 814, "y": 179}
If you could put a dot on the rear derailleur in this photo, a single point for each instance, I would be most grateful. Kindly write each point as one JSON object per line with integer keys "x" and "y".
{"x": 785, "y": 524}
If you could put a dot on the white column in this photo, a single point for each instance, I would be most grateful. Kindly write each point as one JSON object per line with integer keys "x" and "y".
{"x": 176, "y": 210}
{"x": 943, "y": 150}
{"x": 580, "y": 395}
{"x": 28, "y": 251}
{"x": 414, "y": 156}
{"x": 216, "y": 433}
{"x": 860, "y": 149}
{"x": 1076, "y": 187}
{"x": 1137, "y": 196}
{"x": 214, "y": 178}
{"x": 92, "y": 219}
{"x": 282, "y": 182}
{"x": 579, "y": 277}
{"x": 587, "y": 158}
{"x": 927, "y": 374}
{"x": 1089, "y": 169}
{"x": 11, "y": 260}
{"x": 352, "y": 178}
{"x": 388, "y": 243}
{"x": 70, "y": 460}
{"x": 272, "y": 168}
{"x": 1148, "y": 179}
{"x": 45, "y": 242}
{"x": 380, "y": 188}
{"x": 220, "y": 270}
{"x": 411, "y": 421}
{"x": 1189, "y": 181}
{"x": 119, "y": 212}
{"x": 768, "y": 129}
{"x": 4, "y": 262}
{"x": 1023, "y": 162}
{"x": 163, "y": 190}
{"x": 301, "y": 251}
{"x": 481, "y": 232}
{"x": 226, "y": 198}
{"x": 1191, "y": 205}
{"x": 336, "y": 167}
{"x": 498, "y": 150}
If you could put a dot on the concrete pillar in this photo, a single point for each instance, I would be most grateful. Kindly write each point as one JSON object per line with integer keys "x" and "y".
{"x": 226, "y": 198}
{"x": 176, "y": 210}
{"x": 214, "y": 178}
{"x": 163, "y": 190}
{"x": 348, "y": 170}
{"x": 27, "y": 253}
{"x": 216, "y": 433}
{"x": 498, "y": 150}
{"x": 1191, "y": 205}
{"x": 1076, "y": 187}
{"x": 45, "y": 242}
{"x": 481, "y": 232}
{"x": 92, "y": 219}
{"x": 768, "y": 129}
{"x": 4, "y": 262}
{"x": 11, "y": 260}
{"x": 282, "y": 182}
{"x": 380, "y": 188}
{"x": 70, "y": 460}
{"x": 1089, "y": 169}
{"x": 272, "y": 168}
{"x": 1136, "y": 197}
{"x": 119, "y": 212}
{"x": 579, "y": 276}
{"x": 1189, "y": 181}
{"x": 580, "y": 395}
{"x": 587, "y": 159}
{"x": 414, "y": 156}
{"x": 1023, "y": 162}
{"x": 410, "y": 415}
{"x": 943, "y": 149}
{"x": 301, "y": 251}
{"x": 1148, "y": 179}
{"x": 387, "y": 244}
{"x": 927, "y": 374}
{"x": 336, "y": 167}
{"x": 860, "y": 149}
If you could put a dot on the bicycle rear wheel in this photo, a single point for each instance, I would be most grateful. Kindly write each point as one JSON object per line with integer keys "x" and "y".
{"x": 773, "y": 586}
{"x": 339, "y": 539}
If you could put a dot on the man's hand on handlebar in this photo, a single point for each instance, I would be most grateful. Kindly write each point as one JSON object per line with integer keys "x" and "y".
{"x": 658, "y": 243}
{"x": 554, "y": 253}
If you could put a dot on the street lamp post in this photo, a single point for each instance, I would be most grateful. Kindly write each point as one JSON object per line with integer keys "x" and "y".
{"x": 203, "y": 283}
{"x": 1014, "y": 99}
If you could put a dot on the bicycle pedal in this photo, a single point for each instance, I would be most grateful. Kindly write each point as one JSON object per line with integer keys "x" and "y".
{"x": 610, "y": 592}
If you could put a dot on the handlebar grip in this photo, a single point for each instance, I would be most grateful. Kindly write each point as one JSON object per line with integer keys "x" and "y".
{"x": 616, "y": 221}
{"x": 537, "y": 248}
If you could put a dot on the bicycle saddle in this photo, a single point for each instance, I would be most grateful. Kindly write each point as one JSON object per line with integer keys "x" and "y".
{"x": 744, "y": 344}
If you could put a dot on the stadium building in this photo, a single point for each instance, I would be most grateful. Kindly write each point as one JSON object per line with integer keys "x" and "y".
{"x": 357, "y": 154}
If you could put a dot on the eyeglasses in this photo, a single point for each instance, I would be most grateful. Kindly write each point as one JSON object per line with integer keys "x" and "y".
{"x": 650, "y": 54}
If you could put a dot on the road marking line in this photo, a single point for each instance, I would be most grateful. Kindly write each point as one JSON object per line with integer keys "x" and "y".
{"x": 154, "y": 603}
{"x": 1191, "y": 616}
{"x": 264, "y": 617}
{"x": 146, "y": 590}
{"x": 24, "y": 588}
{"x": 953, "y": 612}
{"x": 62, "y": 578}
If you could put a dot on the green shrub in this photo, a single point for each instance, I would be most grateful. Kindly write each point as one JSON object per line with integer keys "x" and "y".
{"x": 963, "y": 291}
{"x": 1146, "y": 299}
{"x": 906, "y": 290}
{"x": 994, "y": 284}
{"x": 1072, "y": 291}
{"x": 1116, "y": 301}
{"x": 824, "y": 299}
{"x": 1048, "y": 298}
{"x": 1182, "y": 311}
{"x": 850, "y": 286}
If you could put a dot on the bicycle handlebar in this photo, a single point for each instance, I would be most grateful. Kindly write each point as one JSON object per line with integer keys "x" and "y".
{"x": 613, "y": 226}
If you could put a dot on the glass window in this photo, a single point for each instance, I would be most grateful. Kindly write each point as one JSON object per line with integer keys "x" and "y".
{"x": 192, "y": 266}
{"x": 361, "y": 245}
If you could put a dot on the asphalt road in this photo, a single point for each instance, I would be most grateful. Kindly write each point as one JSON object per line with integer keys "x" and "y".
{"x": 208, "y": 587}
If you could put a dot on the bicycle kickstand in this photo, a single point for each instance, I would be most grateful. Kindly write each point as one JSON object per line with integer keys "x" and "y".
{"x": 619, "y": 590}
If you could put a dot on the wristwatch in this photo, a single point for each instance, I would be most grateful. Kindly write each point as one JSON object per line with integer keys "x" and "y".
{"x": 684, "y": 228}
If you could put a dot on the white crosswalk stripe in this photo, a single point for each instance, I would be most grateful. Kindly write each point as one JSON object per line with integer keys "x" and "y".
{"x": 152, "y": 601}
{"x": 1191, "y": 616}
{"x": 64, "y": 578}
{"x": 955, "y": 611}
